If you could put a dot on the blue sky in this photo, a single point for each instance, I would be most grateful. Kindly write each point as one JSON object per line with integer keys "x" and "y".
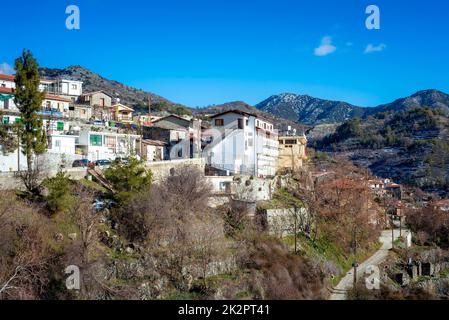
{"x": 208, "y": 52}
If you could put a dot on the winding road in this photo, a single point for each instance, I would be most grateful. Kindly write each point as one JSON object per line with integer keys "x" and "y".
{"x": 339, "y": 291}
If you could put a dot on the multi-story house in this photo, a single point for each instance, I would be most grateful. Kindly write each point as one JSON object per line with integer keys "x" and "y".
{"x": 69, "y": 89}
{"x": 292, "y": 152}
{"x": 242, "y": 143}
{"x": 95, "y": 105}
{"x": 181, "y": 136}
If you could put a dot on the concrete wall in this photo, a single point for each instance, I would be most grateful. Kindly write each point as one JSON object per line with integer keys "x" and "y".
{"x": 48, "y": 161}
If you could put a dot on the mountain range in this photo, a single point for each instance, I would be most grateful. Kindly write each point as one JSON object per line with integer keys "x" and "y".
{"x": 285, "y": 108}
{"x": 313, "y": 111}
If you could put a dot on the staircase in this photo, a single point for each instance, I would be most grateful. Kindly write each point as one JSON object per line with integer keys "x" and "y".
{"x": 99, "y": 176}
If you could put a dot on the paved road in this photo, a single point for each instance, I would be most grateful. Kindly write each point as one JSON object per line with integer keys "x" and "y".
{"x": 346, "y": 283}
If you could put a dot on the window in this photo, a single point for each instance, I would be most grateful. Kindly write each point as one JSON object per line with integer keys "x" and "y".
{"x": 48, "y": 104}
{"x": 3, "y": 85}
{"x": 6, "y": 104}
{"x": 240, "y": 123}
{"x": 74, "y": 87}
{"x": 18, "y": 120}
{"x": 290, "y": 141}
{"x": 110, "y": 142}
{"x": 250, "y": 142}
{"x": 96, "y": 140}
{"x": 58, "y": 143}
{"x": 247, "y": 122}
{"x": 5, "y": 120}
{"x": 219, "y": 122}
{"x": 281, "y": 141}
{"x": 60, "y": 126}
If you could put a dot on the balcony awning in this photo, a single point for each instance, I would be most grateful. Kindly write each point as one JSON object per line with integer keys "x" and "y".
{"x": 4, "y": 97}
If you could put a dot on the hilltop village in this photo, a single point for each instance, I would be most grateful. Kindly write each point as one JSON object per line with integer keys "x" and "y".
{"x": 224, "y": 206}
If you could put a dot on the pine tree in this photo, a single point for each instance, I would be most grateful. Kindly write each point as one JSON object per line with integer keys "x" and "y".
{"x": 28, "y": 99}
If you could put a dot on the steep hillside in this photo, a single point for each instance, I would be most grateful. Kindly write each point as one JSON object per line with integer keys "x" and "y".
{"x": 410, "y": 146}
{"x": 426, "y": 98}
{"x": 130, "y": 96}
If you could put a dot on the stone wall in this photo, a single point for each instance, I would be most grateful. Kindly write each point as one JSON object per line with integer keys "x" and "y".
{"x": 11, "y": 181}
{"x": 161, "y": 169}
{"x": 281, "y": 222}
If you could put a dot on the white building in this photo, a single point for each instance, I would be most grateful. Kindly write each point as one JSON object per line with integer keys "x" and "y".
{"x": 243, "y": 143}
{"x": 7, "y": 81}
{"x": 105, "y": 145}
{"x": 69, "y": 88}
{"x": 62, "y": 144}
{"x": 62, "y": 87}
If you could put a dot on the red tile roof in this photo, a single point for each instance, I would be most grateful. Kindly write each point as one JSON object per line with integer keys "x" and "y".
{"x": 6, "y": 77}
{"x": 6, "y": 90}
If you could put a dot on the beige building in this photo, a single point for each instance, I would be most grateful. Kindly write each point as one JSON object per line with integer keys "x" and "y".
{"x": 122, "y": 113}
{"x": 292, "y": 152}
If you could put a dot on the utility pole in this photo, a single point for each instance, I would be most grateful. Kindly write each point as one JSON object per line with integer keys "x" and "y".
{"x": 355, "y": 264}
{"x": 392, "y": 232}
{"x": 295, "y": 230}
{"x": 18, "y": 149}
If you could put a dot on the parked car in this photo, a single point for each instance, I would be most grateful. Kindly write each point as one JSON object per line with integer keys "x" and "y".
{"x": 97, "y": 123}
{"x": 80, "y": 163}
{"x": 122, "y": 160}
{"x": 101, "y": 163}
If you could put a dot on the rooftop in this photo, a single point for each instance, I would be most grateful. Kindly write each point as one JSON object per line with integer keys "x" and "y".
{"x": 6, "y": 77}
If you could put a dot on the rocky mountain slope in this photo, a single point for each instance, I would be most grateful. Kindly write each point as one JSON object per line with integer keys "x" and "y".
{"x": 309, "y": 110}
{"x": 411, "y": 146}
{"x": 313, "y": 111}
{"x": 130, "y": 96}
{"x": 426, "y": 98}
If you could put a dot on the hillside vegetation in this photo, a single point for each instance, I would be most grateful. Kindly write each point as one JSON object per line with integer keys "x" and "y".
{"x": 410, "y": 146}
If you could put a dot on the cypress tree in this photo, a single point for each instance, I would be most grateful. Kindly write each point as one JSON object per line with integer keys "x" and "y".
{"x": 28, "y": 98}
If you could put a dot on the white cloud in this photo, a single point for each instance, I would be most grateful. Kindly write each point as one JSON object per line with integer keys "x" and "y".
{"x": 325, "y": 47}
{"x": 372, "y": 48}
{"x": 6, "y": 68}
